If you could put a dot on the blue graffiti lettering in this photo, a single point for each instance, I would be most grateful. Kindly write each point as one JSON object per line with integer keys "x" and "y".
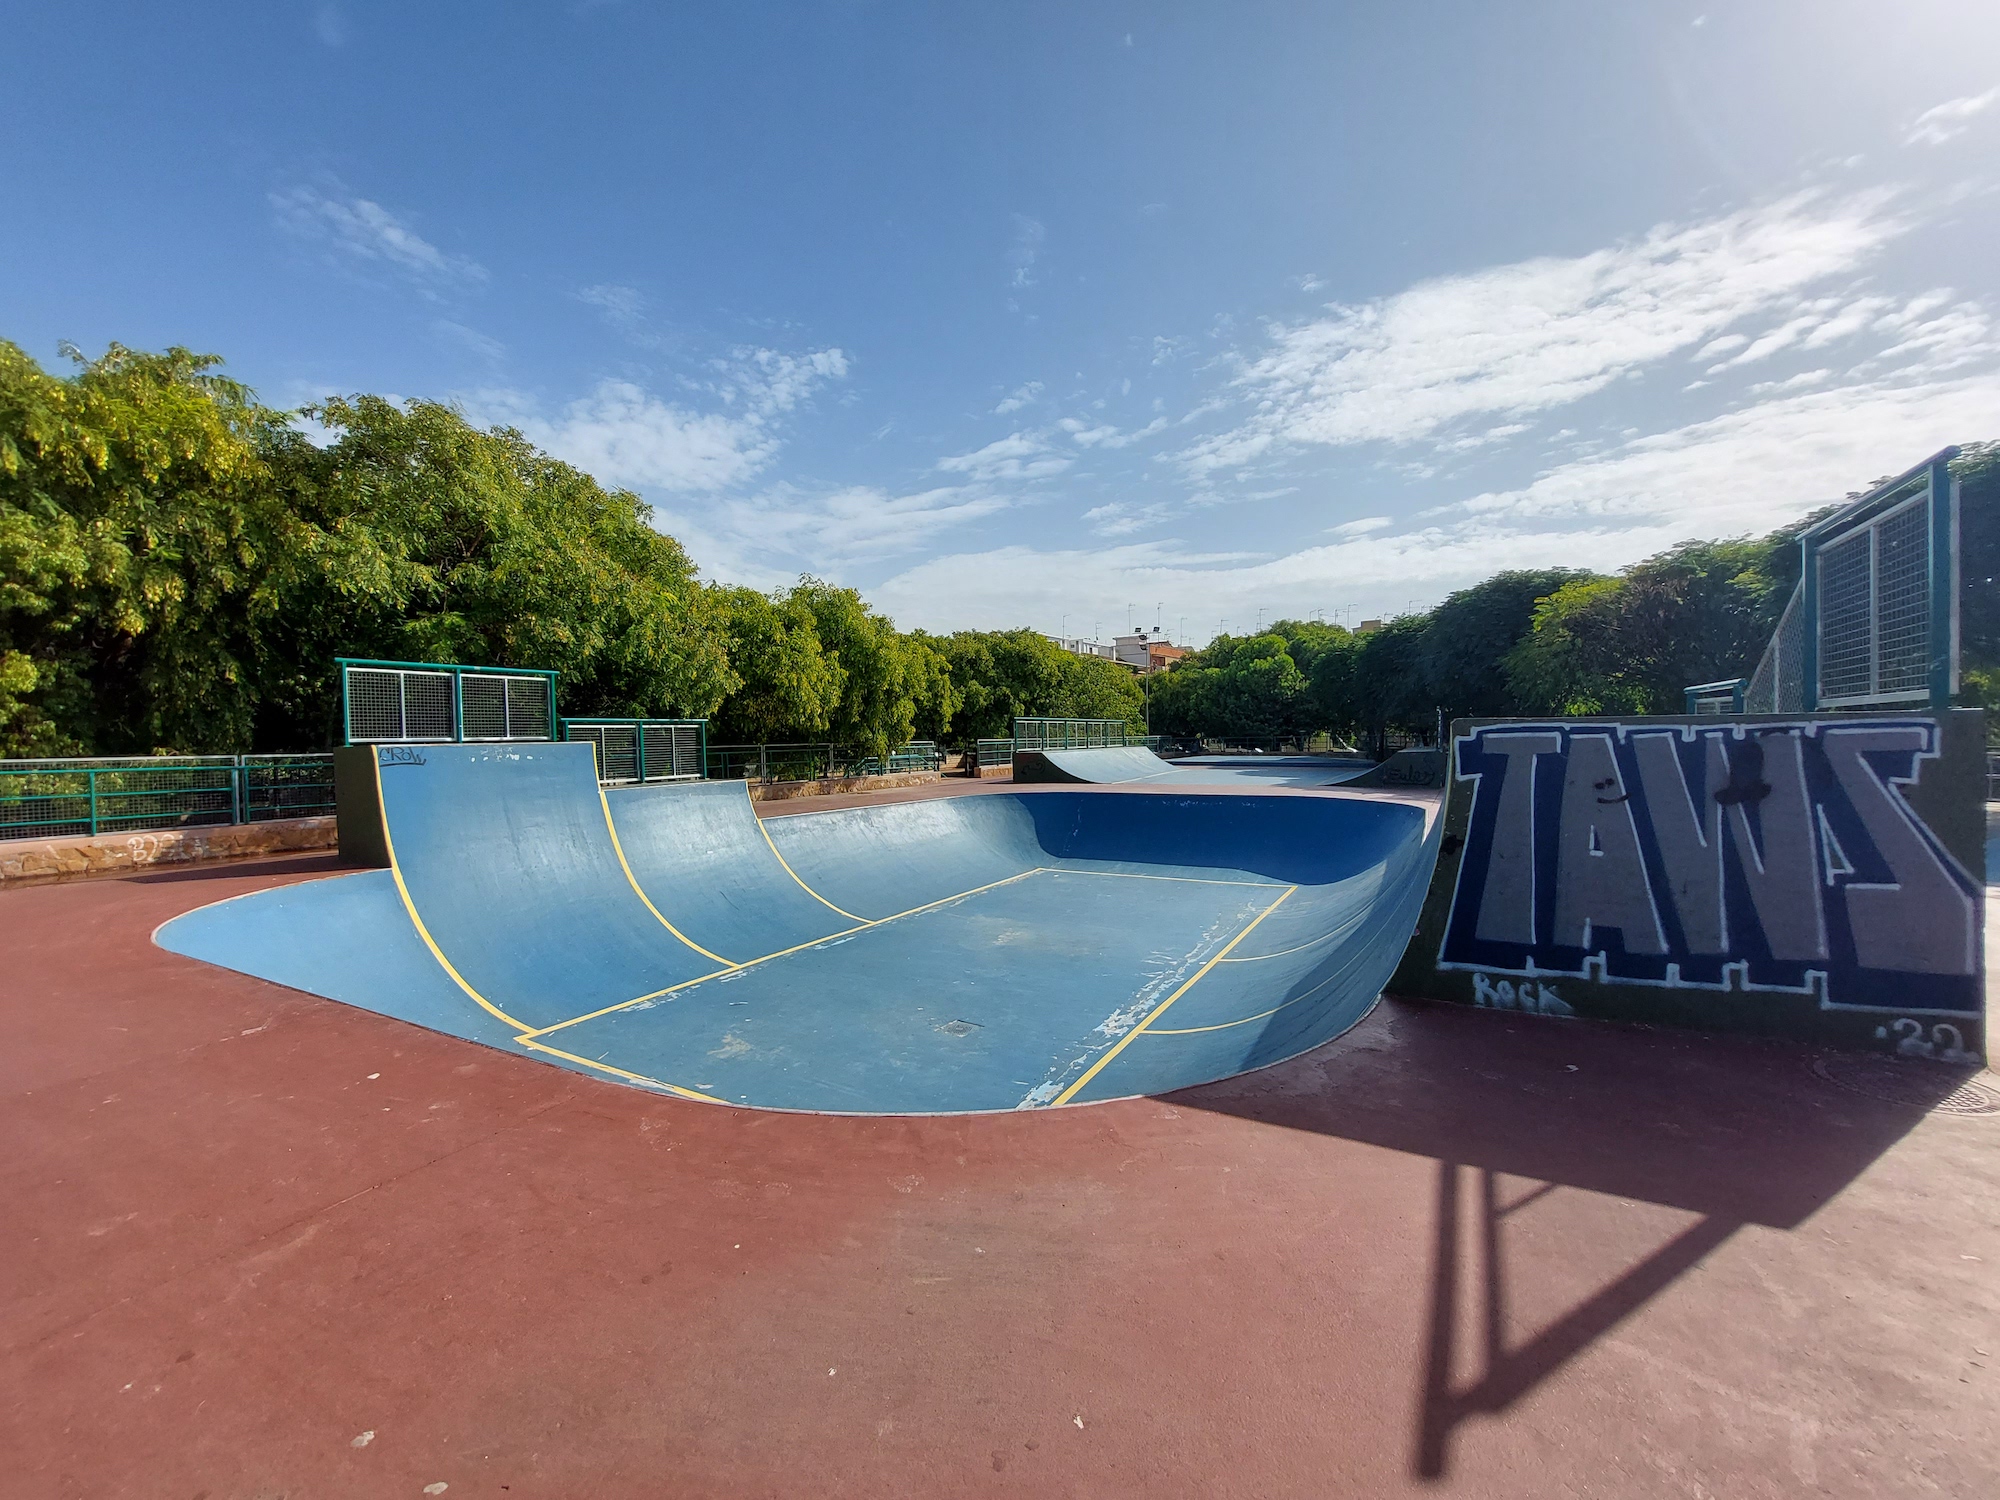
{"x": 1777, "y": 857}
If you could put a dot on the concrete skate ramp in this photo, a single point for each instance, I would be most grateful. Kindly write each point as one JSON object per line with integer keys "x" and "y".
{"x": 1122, "y": 765}
{"x": 1406, "y": 768}
{"x": 986, "y": 952}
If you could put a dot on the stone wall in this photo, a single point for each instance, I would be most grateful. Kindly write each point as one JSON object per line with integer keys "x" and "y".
{"x": 25, "y": 860}
{"x": 778, "y": 791}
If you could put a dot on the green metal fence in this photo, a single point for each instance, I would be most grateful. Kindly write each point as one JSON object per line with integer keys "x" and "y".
{"x": 415, "y": 702}
{"x": 641, "y": 750}
{"x": 994, "y": 753}
{"x": 1073, "y": 734}
{"x": 78, "y": 797}
{"x": 815, "y": 762}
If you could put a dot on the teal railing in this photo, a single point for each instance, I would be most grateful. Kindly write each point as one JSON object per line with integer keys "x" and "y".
{"x": 136, "y": 794}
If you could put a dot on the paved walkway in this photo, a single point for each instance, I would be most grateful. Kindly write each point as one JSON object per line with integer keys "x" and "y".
{"x": 261, "y": 1244}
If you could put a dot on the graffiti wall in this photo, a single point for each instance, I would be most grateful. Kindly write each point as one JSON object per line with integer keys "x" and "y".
{"x": 1818, "y": 877}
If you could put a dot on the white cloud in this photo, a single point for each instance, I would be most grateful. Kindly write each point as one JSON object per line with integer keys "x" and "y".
{"x": 1513, "y": 340}
{"x": 471, "y": 340}
{"x": 1104, "y": 435}
{"x": 622, "y": 305}
{"x": 1949, "y": 120}
{"x": 1723, "y": 345}
{"x": 1017, "y": 585}
{"x": 1119, "y": 518}
{"x": 1744, "y": 472}
{"x": 1756, "y": 468}
{"x": 1029, "y": 237}
{"x": 1798, "y": 382}
{"x": 771, "y": 382}
{"x": 625, "y": 435}
{"x": 365, "y": 230}
{"x": 786, "y": 530}
{"x": 1020, "y": 455}
{"x": 1023, "y": 396}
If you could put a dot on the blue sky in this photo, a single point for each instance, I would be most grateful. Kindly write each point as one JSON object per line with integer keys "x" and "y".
{"x": 1064, "y": 314}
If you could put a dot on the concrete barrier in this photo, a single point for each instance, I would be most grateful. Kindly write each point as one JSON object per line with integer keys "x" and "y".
{"x": 1819, "y": 877}
{"x": 778, "y": 791}
{"x": 25, "y": 861}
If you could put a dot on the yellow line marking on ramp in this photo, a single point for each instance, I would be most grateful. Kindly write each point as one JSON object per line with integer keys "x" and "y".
{"x": 410, "y": 906}
{"x": 1161, "y": 1009}
{"x": 1183, "y": 879}
{"x": 1246, "y": 1020}
{"x": 1258, "y": 958}
{"x": 633, "y": 881}
{"x": 865, "y": 921}
{"x": 672, "y": 1088}
{"x": 687, "y": 984}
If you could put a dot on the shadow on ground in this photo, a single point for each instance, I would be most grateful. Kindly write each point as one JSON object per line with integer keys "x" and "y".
{"x": 1735, "y": 1131}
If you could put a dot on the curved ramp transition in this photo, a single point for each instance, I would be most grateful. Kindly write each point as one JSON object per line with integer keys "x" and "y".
{"x": 1116, "y": 765}
{"x": 1412, "y": 767}
{"x": 958, "y": 954}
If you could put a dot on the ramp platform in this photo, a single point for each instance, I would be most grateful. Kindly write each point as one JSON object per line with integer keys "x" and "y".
{"x": 965, "y": 954}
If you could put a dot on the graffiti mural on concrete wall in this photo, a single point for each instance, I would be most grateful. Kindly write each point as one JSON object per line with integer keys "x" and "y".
{"x": 1748, "y": 857}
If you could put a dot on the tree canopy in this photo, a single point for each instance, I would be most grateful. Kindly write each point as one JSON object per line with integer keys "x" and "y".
{"x": 180, "y": 565}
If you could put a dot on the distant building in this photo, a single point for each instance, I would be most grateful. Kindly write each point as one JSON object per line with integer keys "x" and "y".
{"x": 1146, "y": 651}
{"x": 1077, "y": 646}
{"x": 1368, "y": 627}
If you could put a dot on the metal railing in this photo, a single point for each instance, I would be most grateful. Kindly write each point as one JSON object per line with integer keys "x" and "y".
{"x": 414, "y": 702}
{"x": 1710, "y": 698}
{"x": 1318, "y": 743}
{"x": 822, "y": 762}
{"x": 135, "y": 794}
{"x": 993, "y": 753}
{"x": 643, "y": 750}
{"x": 1073, "y": 734}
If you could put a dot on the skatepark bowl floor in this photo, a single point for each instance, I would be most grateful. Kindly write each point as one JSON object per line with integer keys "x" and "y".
{"x": 258, "y": 1244}
{"x": 957, "y": 954}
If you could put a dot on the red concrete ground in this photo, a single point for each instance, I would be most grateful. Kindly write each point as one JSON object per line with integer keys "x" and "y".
{"x": 257, "y": 1244}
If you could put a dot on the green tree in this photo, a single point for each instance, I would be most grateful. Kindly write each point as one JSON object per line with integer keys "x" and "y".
{"x": 143, "y": 554}
{"x": 790, "y": 688}
{"x": 1001, "y": 675}
{"x": 1698, "y": 612}
{"x": 1388, "y": 687}
{"x": 1977, "y": 469}
{"x": 888, "y": 680}
{"x": 463, "y": 545}
{"x": 1468, "y": 636}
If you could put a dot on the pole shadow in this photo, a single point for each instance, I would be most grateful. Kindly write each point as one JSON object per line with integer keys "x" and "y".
{"x": 1736, "y": 1131}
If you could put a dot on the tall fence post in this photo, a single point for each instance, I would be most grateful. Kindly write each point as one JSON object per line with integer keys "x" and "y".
{"x": 93, "y": 802}
{"x": 239, "y": 790}
{"x": 763, "y": 762}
